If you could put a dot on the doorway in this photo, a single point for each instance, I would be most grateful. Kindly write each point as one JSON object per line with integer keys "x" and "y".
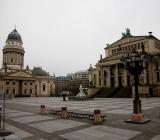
{"x": 128, "y": 81}
{"x": 120, "y": 81}
{"x": 151, "y": 92}
{"x": 112, "y": 81}
{"x": 20, "y": 87}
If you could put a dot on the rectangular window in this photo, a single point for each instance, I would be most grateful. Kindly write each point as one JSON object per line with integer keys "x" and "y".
{"x": 135, "y": 46}
{"x": 30, "y": 91}
{"x": 25, "y": 91}
{"x": 158, "y": 78}
{"x": 99, "y": 73}
{"x": 13, "y": 91}
{"x": 7, "y": 83}
{"x": 44, "y": 87}
{"x": 99, "y": 82}
{"x": 139, "y": 46}
{"x": 7, "y": 91}
{"x": 128, "y": 47}
{"x": 105, "y": 82}
{"x": 156, "y": 65}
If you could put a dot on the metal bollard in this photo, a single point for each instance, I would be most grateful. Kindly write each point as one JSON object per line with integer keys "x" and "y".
{"x": 64, "y": 113}
{"x": 97, "y": 116}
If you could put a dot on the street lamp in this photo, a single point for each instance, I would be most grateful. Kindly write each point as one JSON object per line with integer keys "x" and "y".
{"x": 134, "y": 63}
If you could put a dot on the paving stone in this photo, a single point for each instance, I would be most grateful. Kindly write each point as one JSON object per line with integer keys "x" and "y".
{"x": 29, "y": 119}
{"x": 19, "y": 132}
{"x": 17, "y": 114}
{"x": 147, "y": 107}
{"x": 101, "y": 133}
{"x": 156, "y": 137}
{"x": 56, "y": 125}
{"x": 11, "y": 110}
{"x": 119, "y": 111}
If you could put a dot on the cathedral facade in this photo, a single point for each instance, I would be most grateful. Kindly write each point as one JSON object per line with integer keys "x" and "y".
{"x": 110, "y": 76}
{"x": 15, "y": 80}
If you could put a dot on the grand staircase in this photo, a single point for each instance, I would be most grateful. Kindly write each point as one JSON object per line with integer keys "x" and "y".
{"x": 119, "y": 92}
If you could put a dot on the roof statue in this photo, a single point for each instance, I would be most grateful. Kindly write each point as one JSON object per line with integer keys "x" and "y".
{"x": 100, "y": 56}
{"x": 127, "y": 33}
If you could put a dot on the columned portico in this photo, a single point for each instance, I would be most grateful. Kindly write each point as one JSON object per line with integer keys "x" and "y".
{"x": 124, "y": 77}
{"x": 109, "y": 78}
{"x": 116, "y": 76}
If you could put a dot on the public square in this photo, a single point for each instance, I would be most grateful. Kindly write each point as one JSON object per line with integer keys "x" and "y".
{"x": 24, "y": 119}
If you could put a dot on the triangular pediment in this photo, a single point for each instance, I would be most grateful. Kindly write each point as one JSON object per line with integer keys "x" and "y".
{"x": 20, "y": 74}
{"x": 125, "y": 40}
{"x": 114, "y": 57}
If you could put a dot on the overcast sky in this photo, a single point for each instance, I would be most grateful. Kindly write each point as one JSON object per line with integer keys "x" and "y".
{"x": 65, "y": 36}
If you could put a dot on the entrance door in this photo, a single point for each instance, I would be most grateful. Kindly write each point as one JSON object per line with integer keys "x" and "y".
{"x": 120, "y": 81}
{"x": 151, "y": 92}
{"x": 112, "y": 81}
{"x": 128, "y": 81}
{"x": 20, "y": 88}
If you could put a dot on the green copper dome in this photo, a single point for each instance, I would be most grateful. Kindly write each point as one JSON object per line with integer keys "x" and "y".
{"x": 37, "y": 71}
{"x": 14, "y": 35}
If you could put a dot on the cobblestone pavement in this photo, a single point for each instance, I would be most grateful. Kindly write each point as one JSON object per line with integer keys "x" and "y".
{"x": 23, "y": 118}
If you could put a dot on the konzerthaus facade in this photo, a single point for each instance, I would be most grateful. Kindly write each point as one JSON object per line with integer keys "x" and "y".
{"x": 15, "y": 80}
{"x": 110, "y": 73}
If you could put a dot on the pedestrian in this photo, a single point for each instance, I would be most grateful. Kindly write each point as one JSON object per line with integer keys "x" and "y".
{"x": 147, "y": 96}
{"x": 64, "y": 96}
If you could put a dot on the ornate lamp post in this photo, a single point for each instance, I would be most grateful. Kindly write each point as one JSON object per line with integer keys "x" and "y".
{"x": 135, "y": 62}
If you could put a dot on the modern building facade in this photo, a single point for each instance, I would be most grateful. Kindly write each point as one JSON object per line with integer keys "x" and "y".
{"x": 15, "y": 80}
{"x": 72, "y": 81}
{"x": 110, "y": 72}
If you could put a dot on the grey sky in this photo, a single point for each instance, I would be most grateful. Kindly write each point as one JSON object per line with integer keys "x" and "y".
{"x": 64, "y": 36}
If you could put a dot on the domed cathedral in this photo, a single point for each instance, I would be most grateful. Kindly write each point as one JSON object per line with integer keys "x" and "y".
{"x": 15, "y": 80}
{"x": 111, "y": 79}
{"x": 13, "y": 52}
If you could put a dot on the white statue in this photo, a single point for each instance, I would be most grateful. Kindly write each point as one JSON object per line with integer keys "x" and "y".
{"x": 81, "y": 93}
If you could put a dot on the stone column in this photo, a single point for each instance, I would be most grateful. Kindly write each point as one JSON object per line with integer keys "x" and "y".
{"x": 124, "y": 77}
{"x": 145, "y": 76}
{"x": 116, "y": 76}
{"x": 109, "y": 78}
{"x": 102, "y": 77}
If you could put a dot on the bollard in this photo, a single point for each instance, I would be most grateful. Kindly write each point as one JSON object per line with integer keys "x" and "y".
{"x": 64, "y": 113}
{"x": 42, "y": 109}
{"x": 97, "y": 116}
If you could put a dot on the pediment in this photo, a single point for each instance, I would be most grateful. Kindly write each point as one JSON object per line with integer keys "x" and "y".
{"x": 20, "y": 74}
{"x": 127, "y": 40}
{"x": 114, "y": 57}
